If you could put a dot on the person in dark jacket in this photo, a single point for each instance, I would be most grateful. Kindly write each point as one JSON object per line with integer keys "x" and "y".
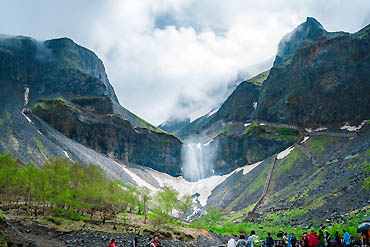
{"x": 293, "y": 240}
{"x": 269, "y": 240}
{"x": 321, "y": 239}
{"x": 337, "y": 239}
{"x": 327, "y": 238}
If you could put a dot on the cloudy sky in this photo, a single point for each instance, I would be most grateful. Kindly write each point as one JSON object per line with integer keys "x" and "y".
{"x": 176, "y": 58}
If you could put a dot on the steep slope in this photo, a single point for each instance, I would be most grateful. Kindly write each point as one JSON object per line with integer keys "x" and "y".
{"x": 239, "y": 107}
{"x": 325, "y": 82}
{"x": 313, "y": 179}
{"x": 60, "y": 69}
{"x": 91, "y": 121}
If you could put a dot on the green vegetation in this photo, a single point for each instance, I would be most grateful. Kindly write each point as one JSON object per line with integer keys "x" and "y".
{"x": 253, "y": 128}
{"x": 225, "y": 129}
{"x": 364, "y": 164}
{"x": 14, "y": 140}
{"x": 39, "y": 145}
{"x": 318, "y": 144}
{"x": 69, "y": 190}
{"x": 50, "y": 104}
{"x": 3, "y": 240}
{"x": 1, "y": 122}
{"x": 260, "y": 78}
{"x": 288, "y": 162}
{"x": 270, "y": 132}
{"x": 7, "y": 114}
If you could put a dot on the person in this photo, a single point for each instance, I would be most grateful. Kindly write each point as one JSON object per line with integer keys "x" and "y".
{"x": 285, "y": 240}
{"x": 293, "y": 240}
{"x": 289, "y": 239}
{"x": 242, "y": 242}
{"x": 254, "y": 240}
{"x": 327, "y": 238}
{"x": 305, "y": 239}
{"x": 150, "y": 241}
{"x": 347, "y": 238}
{"x": 112, "y": 243}
{"x": 156, "y": 242}
{"x": 231, "y": 242}
{"x": 134, "y": 242}
{"x": 316, "y": 242}
{"x": 337, "y": 239}
{"x": 269, "y": 240}
{"x": 321, "y": 239}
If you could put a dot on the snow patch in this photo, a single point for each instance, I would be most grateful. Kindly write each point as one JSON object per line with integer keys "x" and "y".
{"x": 247, "y": 124}
{"x": 28, "y": 119}
{"x": 212, "y": 112}
{"x": 314, "y": 130}
{"x": 262, "y": 124}
{"x": 38, "y": 131}
{"x": 284, "y": 153}
{"x": 66, "y": 154}
{"x": 304, "y": 139}
{"x": 204, "y": 186}
{"x": 255, "y": 105}
{"x": 26, "y": 92}
{"x": 138, "y": 180}
{"x": 352, "y": 128}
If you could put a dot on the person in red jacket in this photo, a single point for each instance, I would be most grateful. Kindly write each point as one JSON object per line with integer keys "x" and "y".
{"x": 315, "y": 239}
{"x": 310, "y": 239}
{"x": 305, "y": 239}
{"x": 112, "y": 243}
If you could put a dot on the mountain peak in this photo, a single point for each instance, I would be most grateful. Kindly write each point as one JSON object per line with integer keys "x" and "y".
{"x": 294, "y": 40}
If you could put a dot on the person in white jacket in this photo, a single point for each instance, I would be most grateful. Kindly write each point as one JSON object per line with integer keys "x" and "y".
{"x": 231, "y": 243}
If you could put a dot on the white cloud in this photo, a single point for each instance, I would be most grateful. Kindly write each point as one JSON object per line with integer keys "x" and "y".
{"x": 173, "y": 58}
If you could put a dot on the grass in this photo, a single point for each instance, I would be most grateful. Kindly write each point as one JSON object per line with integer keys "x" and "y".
{"x": 3, "y": 240}
{"x": 260, "y": 78}
{"x": 39, "y": 145}
{"x": 14, "y": 140}
{"x": 270, "y": 132}
{"x": 7, "y": 114}
{"x": 226, "y": 129}
{"x": 254, "y": 128}
{"x": 288, "y": 162}
{"x": 318, "y": 144}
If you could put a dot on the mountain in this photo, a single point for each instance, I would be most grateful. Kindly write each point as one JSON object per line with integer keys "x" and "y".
{"x": 70, "y": 81}
{"x": 324, "y": 82}
{"x": 315, "y": 97}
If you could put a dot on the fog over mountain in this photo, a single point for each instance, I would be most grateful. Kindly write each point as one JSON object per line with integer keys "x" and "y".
{"x": 179, "y": 57}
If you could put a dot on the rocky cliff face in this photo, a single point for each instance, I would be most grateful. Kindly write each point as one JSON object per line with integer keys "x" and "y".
{"x": 325, "y": 82}
{"x": 96, "y": 126}
{"x": 299, "y": 37}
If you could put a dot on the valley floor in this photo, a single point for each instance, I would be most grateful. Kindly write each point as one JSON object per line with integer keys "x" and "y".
{"x": 47, "y": 231}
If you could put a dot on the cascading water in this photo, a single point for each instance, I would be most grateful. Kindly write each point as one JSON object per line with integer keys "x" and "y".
{"x": 198, "y": 160}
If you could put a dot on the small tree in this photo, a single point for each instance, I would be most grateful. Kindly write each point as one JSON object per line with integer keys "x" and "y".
{"x": 184, "y": 205}
{"x": 213, "y": 215}
{"x": 145, "y": 198}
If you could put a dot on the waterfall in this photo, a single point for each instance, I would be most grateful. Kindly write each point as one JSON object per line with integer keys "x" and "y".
{"x": 198, "y": 159}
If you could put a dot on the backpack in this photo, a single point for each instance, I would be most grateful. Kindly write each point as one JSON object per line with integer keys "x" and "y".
{"x": 256, "y": 241}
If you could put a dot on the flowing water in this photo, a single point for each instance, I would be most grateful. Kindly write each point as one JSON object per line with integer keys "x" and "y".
{"x": 198, "y": 159}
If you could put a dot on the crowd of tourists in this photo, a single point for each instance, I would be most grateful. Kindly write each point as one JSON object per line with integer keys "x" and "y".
{"x": 312, "y": 239}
